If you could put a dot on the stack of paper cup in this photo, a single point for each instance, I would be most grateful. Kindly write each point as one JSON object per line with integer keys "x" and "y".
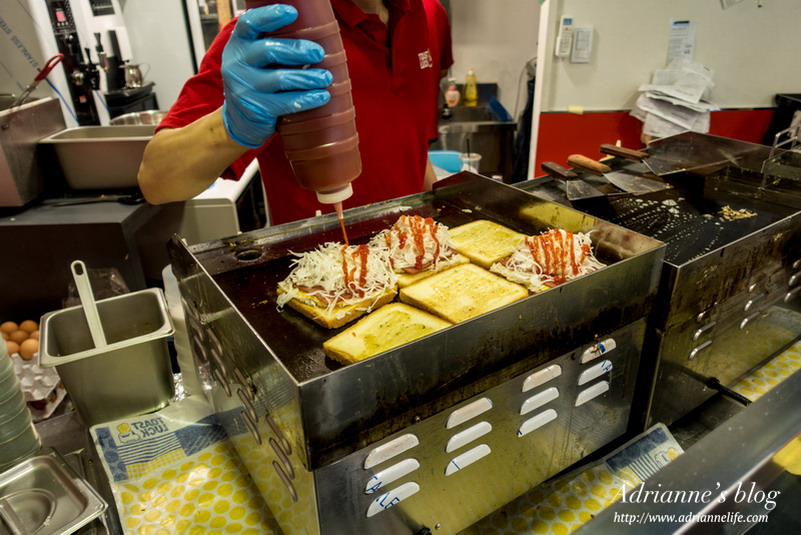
{"x": 322, "y": 144}
{"x": 18, "y": 437}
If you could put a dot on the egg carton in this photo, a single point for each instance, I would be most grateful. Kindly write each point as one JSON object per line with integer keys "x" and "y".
{"x": 41, "y": 410}
{"x": 37, "y": 383}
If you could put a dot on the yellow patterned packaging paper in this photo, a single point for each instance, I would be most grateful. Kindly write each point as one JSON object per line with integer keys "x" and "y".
{"x": 565, "y": 503}
{"x": 759, "y": 382}
{"x": 175, "y": 472}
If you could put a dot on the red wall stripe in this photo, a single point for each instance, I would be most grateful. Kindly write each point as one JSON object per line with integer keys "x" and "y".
{"x": 562, "y": 134}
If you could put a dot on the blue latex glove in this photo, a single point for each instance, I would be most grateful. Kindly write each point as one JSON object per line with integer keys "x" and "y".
{"x": 257, "y": 89}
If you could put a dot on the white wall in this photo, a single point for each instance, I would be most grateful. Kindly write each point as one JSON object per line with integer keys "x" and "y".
{"x": 159, "y": 38}
{"x": 753, "y": 50}
{"x": 496, "y": 38}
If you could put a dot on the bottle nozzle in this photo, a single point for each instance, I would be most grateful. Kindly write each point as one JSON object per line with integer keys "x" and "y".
{"x": 335, "y": 195}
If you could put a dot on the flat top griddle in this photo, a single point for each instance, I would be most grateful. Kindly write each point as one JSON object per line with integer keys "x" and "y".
{"x": 296, "y": 340}
{"x": 690, "y": 221}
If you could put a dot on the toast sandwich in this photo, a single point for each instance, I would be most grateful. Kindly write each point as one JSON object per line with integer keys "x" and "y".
{"x": 485, "y": 242}
{"x": 333, "y": 317}
{"x": 335, "y": 284}
{"x": 418, "y": 247}
{"x": 549, "y": 259}
{"x": 383, "y": 329}
{"x": 462, "y": 292}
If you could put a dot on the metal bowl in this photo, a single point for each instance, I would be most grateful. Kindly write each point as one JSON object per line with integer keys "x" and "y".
{"x": 153, "y": 117}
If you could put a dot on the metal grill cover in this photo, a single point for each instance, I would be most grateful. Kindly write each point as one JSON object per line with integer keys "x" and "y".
{"x": 228, "y": 289}
{"x": 732, "y": 228}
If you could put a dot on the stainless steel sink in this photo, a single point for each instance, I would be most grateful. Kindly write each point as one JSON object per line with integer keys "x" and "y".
{"x": 479, "y": 129}
{"x": 22, "y": 176}
{"x": 468, "y": 114}
{"x": 6, "y": 100}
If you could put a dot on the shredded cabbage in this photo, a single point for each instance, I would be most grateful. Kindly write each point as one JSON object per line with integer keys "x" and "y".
{"x": 551, "y": 258}
{"x": 416, "y": 243}
{"x": 338, "y": 275}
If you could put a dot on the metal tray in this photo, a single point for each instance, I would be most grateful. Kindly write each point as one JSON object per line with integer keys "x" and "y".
{"x": 100, "y": 157}
{"x": 40, "y": 496}
{"x": 135, "y": 365}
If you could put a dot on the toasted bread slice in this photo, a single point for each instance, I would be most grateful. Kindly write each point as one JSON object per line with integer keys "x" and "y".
{"x": 338, "y": 316}
{"x": 405, "y": 279}
{"x": 388, "y": 327}
{"x": 462, "y": 292}
{"x": 485, "y": 242}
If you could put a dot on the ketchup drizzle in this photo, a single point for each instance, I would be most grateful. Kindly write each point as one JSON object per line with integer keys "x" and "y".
{"x": 418, "y": 227}
{"x": 359, "y": 257}
{"x": 555, "y": 251}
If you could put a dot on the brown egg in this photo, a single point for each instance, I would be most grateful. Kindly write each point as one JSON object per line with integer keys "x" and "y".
{"x": 28, "y": 348}
{"x": 18, "y": 336}
{"x": 29, "y": 326}
{"x": 13, "y": 347}
{"x": 35, "y": 334}
{"x": 9, "y": 327}
{"x": 4, "y": 335}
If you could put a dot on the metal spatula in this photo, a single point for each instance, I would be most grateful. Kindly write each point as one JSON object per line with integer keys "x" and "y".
{"x": 631, "y": 182}
{"x": 575, "y": 188}
{"x": 654, "y": 166}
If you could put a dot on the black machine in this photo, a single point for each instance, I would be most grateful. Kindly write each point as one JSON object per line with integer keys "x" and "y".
{"x": 84, "y": 74}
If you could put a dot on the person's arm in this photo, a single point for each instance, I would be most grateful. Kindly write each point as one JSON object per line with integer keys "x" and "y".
{"x": 181, "y": 162}
{"x": 430, "y": 176}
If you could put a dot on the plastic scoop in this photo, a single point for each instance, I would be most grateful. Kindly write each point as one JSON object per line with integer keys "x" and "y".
{"x": 84, "y": 286}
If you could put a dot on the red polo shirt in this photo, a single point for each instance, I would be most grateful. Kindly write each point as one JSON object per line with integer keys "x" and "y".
{"x": 393, "y": 84}
{"x": 439, "y": 28}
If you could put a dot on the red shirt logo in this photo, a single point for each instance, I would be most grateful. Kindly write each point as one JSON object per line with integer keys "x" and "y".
{"x": 426, "y": 61}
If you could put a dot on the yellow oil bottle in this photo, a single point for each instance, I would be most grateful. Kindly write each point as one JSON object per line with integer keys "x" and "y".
{"x": 470, "y": 88}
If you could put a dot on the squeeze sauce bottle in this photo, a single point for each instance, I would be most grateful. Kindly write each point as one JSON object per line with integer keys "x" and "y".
{"x": 470, "y": 88}
{"x": 322, "y": 144}
{"x": 452, "y": 94}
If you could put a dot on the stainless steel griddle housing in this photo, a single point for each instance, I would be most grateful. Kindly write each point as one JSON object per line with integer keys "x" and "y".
{"x": 441, "y": 431}
{"x": 729, "y": 296}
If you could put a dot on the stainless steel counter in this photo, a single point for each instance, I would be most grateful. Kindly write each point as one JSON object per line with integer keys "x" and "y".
{"x": 736, "y": 463}
{"x": 725, "y": 443}
{"x": 68, "y": 436}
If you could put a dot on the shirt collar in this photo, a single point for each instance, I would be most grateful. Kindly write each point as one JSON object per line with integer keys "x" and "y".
{"x": 352, "y": 15}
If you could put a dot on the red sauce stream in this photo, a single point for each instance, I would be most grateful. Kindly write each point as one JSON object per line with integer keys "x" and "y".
{"x": 338, "y": 208}
{"x": 360, "y": 257}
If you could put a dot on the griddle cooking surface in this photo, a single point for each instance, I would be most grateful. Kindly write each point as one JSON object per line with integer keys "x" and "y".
{"x": 296, "y": 340}
{"x": 690, "y": 224}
